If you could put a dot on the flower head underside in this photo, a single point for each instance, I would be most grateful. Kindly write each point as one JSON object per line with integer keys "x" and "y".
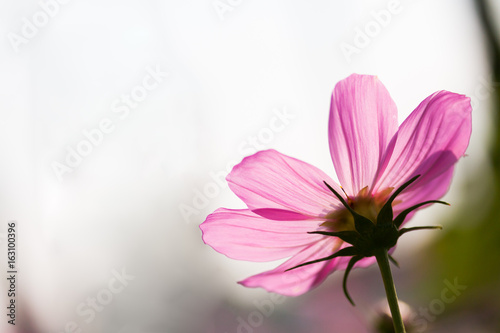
{"x": 387, "y": 173}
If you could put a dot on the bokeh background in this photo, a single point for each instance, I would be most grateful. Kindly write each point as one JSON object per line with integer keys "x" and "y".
{"x": 120, "y": 119}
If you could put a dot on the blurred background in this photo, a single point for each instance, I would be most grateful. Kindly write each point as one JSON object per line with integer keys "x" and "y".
{"x": 120, "y": 119}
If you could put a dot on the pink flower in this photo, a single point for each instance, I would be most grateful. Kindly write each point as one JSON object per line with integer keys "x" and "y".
{"x": 294, "y": 209}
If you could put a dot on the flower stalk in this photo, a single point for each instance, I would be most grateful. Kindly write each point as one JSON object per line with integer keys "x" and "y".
{"x": 392, "y": 298}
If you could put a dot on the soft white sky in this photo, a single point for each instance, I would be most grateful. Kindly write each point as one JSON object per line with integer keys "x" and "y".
{"x": 226, "y": 77}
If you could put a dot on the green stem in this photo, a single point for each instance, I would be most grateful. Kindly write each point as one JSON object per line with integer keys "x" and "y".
{"x": 390, "y": 289}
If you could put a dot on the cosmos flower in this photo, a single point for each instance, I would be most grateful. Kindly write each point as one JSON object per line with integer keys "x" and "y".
{"x": 298, "y": 212}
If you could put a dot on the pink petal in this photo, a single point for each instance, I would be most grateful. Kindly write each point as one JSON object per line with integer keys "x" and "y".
{"x": 242, "y": 234}
{"x": 299, "y": 280}
{"x": 428, "y": 143}
{"x": 279, "y": 214}
{"x": 363, "y": 119}
{"x": 269, "y": 179}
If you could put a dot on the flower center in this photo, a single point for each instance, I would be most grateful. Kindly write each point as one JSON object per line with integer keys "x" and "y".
{"x": 365, "y": 204}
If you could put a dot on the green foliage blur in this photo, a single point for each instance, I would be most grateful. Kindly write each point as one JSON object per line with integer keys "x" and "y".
{"x": 469, "y": 246}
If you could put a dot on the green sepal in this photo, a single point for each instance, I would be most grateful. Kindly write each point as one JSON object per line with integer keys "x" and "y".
{"x": 385, "y": 235}
{"x": 385, "y": 215}
{"x": 401, "y": 217}
{"x": 405, "y": 230}
{"x": 394, "y": 261}
{"x": 348, "y": 236}
{"x": 353, "y": 261}
{"x": 345, "y": 252}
